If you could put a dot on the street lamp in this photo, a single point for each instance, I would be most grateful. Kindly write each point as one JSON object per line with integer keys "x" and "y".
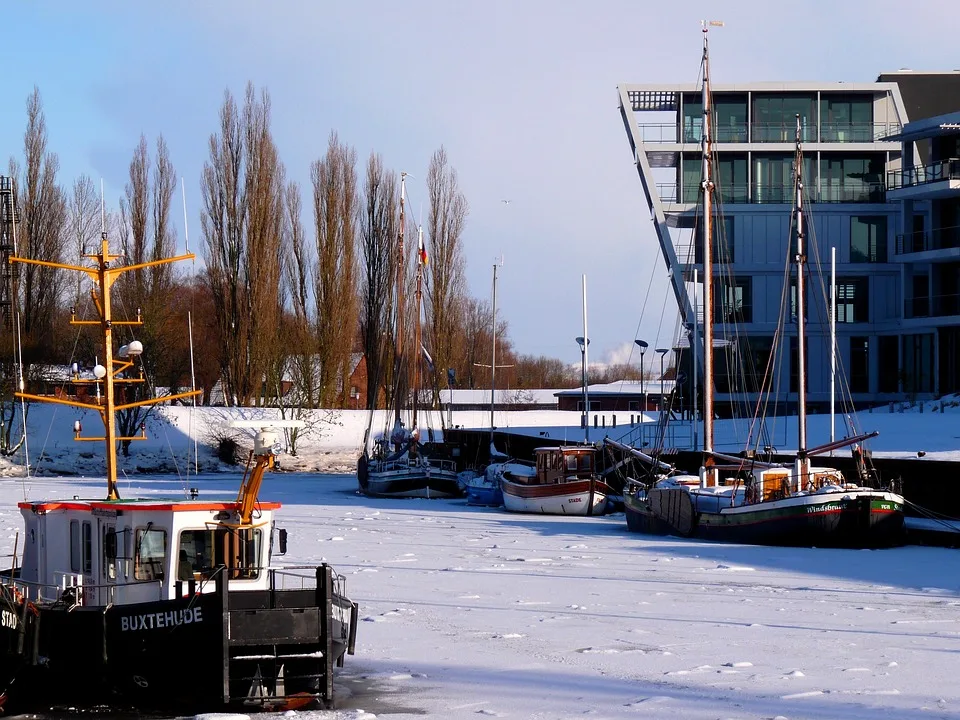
{"x": 583, "y": 380}
{"x": 663, "y": 353}
{"x": 643, "y": 345}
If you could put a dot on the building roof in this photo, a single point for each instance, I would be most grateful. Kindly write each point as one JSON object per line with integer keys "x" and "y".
{"x": 946, "y": 124}
{"x": 620, "y": 388}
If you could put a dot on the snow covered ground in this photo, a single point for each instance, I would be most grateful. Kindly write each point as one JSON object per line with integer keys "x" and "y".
{"x": 472, "y": 612}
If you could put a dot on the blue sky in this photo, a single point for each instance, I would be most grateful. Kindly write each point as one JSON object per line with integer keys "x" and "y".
{"x": 521, "y": 94}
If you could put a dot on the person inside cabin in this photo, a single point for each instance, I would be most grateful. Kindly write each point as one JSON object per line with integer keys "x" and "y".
{"x": 184, "y": 568}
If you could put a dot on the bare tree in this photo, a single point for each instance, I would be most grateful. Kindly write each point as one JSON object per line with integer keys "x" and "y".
{"x": 41, "y": 235}
{"x": 244, "y": 228}
{"x": 378, "y": 229}
{"x": 335, "y": 211}
{"x": 147, "y": 235}
{"x": 85, "y": 225}
{"x": 447, "y": 286}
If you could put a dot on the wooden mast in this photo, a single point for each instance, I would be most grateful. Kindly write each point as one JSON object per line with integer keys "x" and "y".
{"x": 708, "y": 188}
{"x": 104, "y": 273}
{"x": 418, "y": 332}
{"x": 800, "y": 259}
{"x": 398, "y": 341}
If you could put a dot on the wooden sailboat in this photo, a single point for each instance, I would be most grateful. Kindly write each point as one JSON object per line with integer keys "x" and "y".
{"x": 745, "y": 500}
{"x": 398, "y": 465}
{"x": 162, "y": 604}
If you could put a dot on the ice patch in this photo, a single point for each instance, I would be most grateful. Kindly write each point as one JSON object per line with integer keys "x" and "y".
{"x": 809, "y": 693}
{"x": 735, "y": 568}
{"x": 741, "y": 664}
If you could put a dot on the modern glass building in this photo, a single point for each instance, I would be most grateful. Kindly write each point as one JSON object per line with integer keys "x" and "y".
{"x": 853, "y": 138}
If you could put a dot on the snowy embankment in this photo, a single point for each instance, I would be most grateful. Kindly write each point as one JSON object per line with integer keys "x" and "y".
{"x": 332, "y": 440}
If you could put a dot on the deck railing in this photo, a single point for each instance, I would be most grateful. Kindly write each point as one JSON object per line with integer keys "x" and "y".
{"x": 922, "y": 174}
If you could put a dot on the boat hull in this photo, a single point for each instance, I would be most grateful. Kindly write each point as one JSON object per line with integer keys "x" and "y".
{"x": 413, "y": 482}
{"x": 249, "y": 649}
{"x": 580, "y": 497}
{"x": 853, "y": 518}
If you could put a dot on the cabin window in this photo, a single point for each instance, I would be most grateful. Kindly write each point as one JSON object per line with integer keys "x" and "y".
{"x": 151, "y": 554}
{"x": 75, "y": 545}
{"x": 585, "y": 462}
{"x": 238, "y": 550}
{"x": 571, "y": 462}
{"x": 87, "y": 548}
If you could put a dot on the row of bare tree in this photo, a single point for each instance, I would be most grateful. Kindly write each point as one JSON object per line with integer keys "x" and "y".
{"x": 280, "y": 306}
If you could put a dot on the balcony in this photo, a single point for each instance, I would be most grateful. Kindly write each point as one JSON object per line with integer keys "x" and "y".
{"x": 855, "y": 192}
{"x": 932, "y": 306}
{"x": 857, "y": 132}
{"x": 923, "y": 240}
{"x": 939, "y": 179}
{"x": 669, "y": 133}
{"x": 768, "y": 133}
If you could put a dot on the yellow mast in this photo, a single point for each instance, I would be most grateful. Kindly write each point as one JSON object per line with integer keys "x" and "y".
{"x": 104, "y": 275}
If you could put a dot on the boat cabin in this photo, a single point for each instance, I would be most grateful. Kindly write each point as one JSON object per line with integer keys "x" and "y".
{"x": 565, "y": 464}
{"x": 100, "y": 552}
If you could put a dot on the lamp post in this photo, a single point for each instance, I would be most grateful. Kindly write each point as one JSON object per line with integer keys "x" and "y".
{"x": 663, "y": 353}
{"x": 583, "y": 381}
{"x": 643, "y": 345}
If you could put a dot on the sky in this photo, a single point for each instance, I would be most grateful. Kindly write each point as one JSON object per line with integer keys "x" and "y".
{"x": 521, "y": 95}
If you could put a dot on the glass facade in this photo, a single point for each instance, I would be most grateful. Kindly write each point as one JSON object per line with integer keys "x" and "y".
{"x": 889, "y": 363}
{"x": 722, "y": 241}
{"x": 918, "y": 363}
{"x": 729, "y": 118}
{"x": 853, "y": 304}
{"x": 775, "y": 117}
{"x": 859, "y": 364}
{"x": 773, "y": 180}
{"x": 733, "y": 300}
{"x": 730, "y": 177}
{"x": 868, "y": 238}
{"x": 856, "y": 177}
{"x": 846, "y": 118}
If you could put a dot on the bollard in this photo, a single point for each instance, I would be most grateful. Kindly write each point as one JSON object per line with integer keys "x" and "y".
{"x": 614, "y": 420}
{"x": 595, "y": 421}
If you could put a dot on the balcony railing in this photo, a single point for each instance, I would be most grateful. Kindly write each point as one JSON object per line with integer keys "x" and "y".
{"x": 923, "y": 174}
{"x": 768, "y": 132}
{"x": 857, "y": 132}
{"x": 857, "y": 192}
{"x": 932, "y": 306}
{"x": 922, "y": 240}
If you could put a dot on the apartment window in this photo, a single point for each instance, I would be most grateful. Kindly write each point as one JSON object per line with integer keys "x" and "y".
{"x": 775, "y": 117}
{"x": 722, "y": 240}
{"x": 774, "y": 180}
{"x": 793, "y": 301}
{"x": 733, "y": 301}
{"x": 868, "y": 238}
{"x": 888, "y": 363}
{"x": 729, "y": 118}
{"x": 856, "y": 178}
{"x": 795, "y": 364}
{"x": 754, "y": 356}
{"x": 918, "y": 363}
{"x": 729, "y": 175}
{"x": 859, "y": 365}
{"x": 852, "y": 301}
{"x": 846, "y": 118}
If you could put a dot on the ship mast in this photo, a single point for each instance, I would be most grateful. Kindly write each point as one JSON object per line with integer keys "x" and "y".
{"x": 800, "y": 259}
{"x": 104, "y": 274}
{"x": 398, "y": 342}
{"x": 708, "y": 187}
{"x": 418, "y": 332}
